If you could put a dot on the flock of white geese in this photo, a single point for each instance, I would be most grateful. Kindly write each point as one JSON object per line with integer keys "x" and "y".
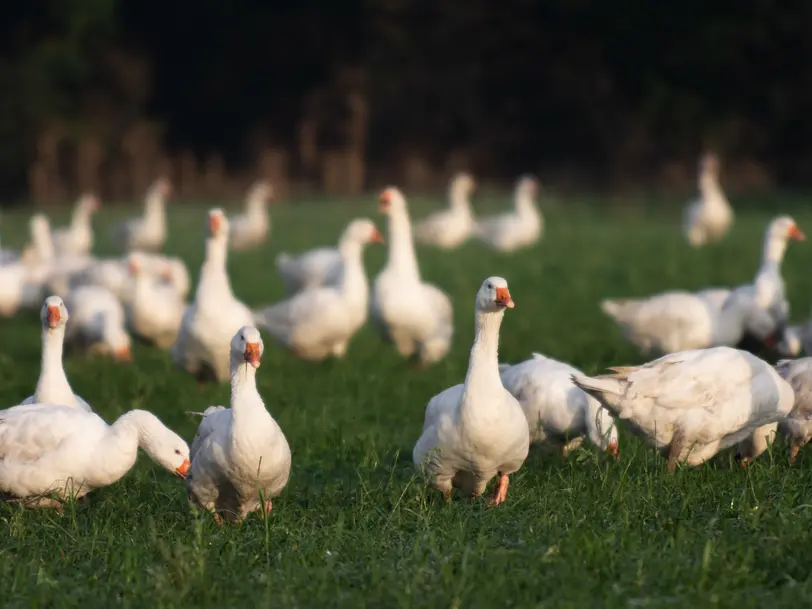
{"x": 701, "y": 396}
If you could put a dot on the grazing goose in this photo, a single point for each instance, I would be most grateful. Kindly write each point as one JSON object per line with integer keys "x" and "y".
{"x": 77, "y": 238}
{"x": 449, "y": 228}
{"x": 693, "y": 404}
{"x": 317, "y": 323}
{"x": 416, "y": 316}
{"x": 209, "y": 323}
{"x": 477, "y": 430}
{"x": 240, "y": 457}
{"x": 251, "y": 227}
{"x": 519, "y": 228}
{"x": 148, "y": 232}
{"x": 709, "y": 217}
{"x": 53, "y": 386}
{"x": 557, "y": 412}
{"x": 797, "y": 427}
{"x": 49, "y": 453}
{"x": 97, "y": 324}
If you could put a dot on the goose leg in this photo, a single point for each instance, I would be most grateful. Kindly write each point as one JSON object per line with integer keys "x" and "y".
{"x": 794, "y": 449}
{"x": 499, "y": 493}
{"x": 674, "y": 450}
{"x": 268, "y": 506}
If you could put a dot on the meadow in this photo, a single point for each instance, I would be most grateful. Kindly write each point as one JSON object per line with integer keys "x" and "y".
{"x": 355, "y": 527}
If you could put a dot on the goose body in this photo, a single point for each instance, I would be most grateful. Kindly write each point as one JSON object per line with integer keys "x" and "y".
{"x": 449, "y": 228}
{"x": 97, "y": 323}
{"x": 252, "y": 226}
{"x": 148, "y": 232}
{"x": 311, "y": 269}
{"x": 240, "y": 457}
{"x": 519, "y": 228}
{"x": 320, "y": 322}
{"x": 693, "y": 404}
{"x": 416, "y": 316}
{"x": 157, "y": 308}
{"x": 209, "y": 323}
{"x": 77, "y": 237}
{"x": 49, "y": 452}
{"x": 476, "y": 430}
{"x": 709, "y": 217}
{"x": 557, "y": 412}
{"x": 797, "y": 427}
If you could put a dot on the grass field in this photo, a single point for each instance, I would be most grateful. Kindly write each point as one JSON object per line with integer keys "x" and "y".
{"x": 355, "y": 527}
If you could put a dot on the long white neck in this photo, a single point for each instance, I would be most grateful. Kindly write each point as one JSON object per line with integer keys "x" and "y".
{"x": 116, "y": 452}
{"x": 52, "y": 385}
{"x": 354, "y": 284}
{"x": 525, "y": 206}
{"x": 773, "y": 252}
{"x": 154, "y": 209}
{"x": 459, "y": 199}
{"x": 483, "y": 365}
{"x": 729, "y": 324}
{"x": 402, "y": 258}
{"x": 247, "y": 428}
{"x": 213, "y": 274}
{"x": 81, "y": 217}
{"x": 709, "y": 187}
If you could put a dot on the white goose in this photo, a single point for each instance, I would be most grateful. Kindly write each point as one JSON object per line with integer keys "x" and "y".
{"x": 157, "y": 308}
{"x": 77, "y": 238}
{"x": 557, "y": 412}
{"x": 251, "y": 227}
{"x": 477, "y": 430}
{"x": 147, "y": 232}
{"x": 312, "y": 269}
{"x": 691, "y": 405}
{"x": 53, "y": 386}
{"x": 709, "y": 217}
{"x": 416, "y": 316}
{"x": 97, "y": 323}
{"x": 520, "y": 228}
{"x": 240, "y": 457}
{"x": 320, "y": 322}
{"x": 449, "y": 228}
{"x": 49, "y": 452}
{"x": 211, "y": 320}
{"x": 12, "y": 287}
{"x": 797, "y": 427}
{"x": 679, "y": 321}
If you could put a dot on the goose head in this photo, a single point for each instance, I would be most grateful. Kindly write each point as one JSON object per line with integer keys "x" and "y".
{"x": 54, "y": 313}
{"x": 709, "y": 164}
{"x": 135, "y": 264}
{"x": 494, "y": 296}
{"x": 391, "y": 200}
{"x": 463, "y": 183}
{"x": 783, "y": 228}
{"x": 161, "y": 188}
{"x": 527, "y": 187}
{"x": 362, "y": 230}
{"x": 163, "y": 445}
{"x": 88, "y": 203}
{"x": 217, "y": 226}
{"x": 247, "y": 346}
{"x": 262, "y": 191}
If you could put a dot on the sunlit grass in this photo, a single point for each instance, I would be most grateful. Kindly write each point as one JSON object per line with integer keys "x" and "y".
{"x": 355, "y": 527}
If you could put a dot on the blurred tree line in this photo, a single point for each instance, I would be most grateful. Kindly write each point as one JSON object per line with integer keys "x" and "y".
{"x": 105, "y": 93}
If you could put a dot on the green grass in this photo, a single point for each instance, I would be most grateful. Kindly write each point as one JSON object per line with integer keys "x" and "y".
{"x": 355, "y": 527}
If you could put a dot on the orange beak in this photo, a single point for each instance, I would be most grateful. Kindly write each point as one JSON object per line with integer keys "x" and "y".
{"x": 183, "y": 469}
{"x": 612, "y": 449}
{"x": 166, "y": 274}
{"x": 796, "y": 233}
{"x": 384, "y": 200}
{"x": 123, "y": 354}
{"x": 503, "y": 298}
{"x": 377, "y": 237}
{"x": 252, "y": 354}
{"x": 53, "y": 317}
{"x": 214, "y": 224}
{"x": 133, "y": 266}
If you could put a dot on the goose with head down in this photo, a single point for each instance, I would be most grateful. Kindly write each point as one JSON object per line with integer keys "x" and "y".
{"x": 49, "y": 453}
{"x": 476, "y": 430}
{"x": 416, "y": 316}
{"x": 97, "y": 324}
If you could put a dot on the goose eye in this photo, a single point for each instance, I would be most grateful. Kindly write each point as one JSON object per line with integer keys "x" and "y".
{"x": 490, "y": 286}
{"x": 177, "y": 452}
